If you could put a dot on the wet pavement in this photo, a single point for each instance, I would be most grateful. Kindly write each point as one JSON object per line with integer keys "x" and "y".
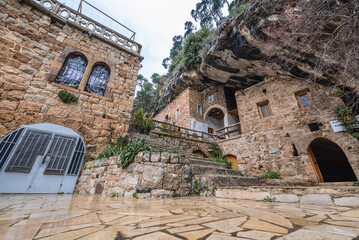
{"x": 66, "y": 217}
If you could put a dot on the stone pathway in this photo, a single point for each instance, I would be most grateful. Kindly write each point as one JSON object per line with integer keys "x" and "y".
{"x": 67, "y": 217}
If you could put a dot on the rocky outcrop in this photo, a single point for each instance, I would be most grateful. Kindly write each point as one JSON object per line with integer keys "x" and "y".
{"x": 295, "y": 40}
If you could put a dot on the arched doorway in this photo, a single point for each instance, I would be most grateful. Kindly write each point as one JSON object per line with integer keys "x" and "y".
{"x": 329, "y": 162}
{"x": 199, "y": 153}
{"x": 214, "y": 120}
{"x": 233, "y": 160}
{"x": 40, "y": 158}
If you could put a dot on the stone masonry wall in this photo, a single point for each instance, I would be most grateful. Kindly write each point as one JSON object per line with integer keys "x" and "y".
{"x": 33, "y": 48}
{"x": 285, "y": 128}
{"x": 152, "y": 174}
{"x": 219, "y": 99}
{"x": 181, "y": 103}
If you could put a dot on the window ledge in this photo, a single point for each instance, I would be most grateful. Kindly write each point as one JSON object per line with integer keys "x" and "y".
{"x": 81, "y": 92}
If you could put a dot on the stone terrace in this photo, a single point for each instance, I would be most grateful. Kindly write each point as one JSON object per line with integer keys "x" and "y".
{"x": 87, "y": 217}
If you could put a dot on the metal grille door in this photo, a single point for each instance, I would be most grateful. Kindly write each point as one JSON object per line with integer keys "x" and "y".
{"x": 59, "y": 154}
{"x": 34, "y": 143}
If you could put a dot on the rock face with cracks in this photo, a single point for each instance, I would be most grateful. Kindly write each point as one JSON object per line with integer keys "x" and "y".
{"x": 294, "y": 40}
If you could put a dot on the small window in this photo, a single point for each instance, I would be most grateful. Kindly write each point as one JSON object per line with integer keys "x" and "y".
{"x": 178, "y": 113}
{"x": 98, "y": 80}
{"x": 304, "y": 99}
{"x": 72, "y": 71}
{"x": 210, "y": 130}
{"x": 210, "y": 98}
{"x": 264, "y": 109}
{"x": 199, "y": 109}
{"x": 166, "y": 118}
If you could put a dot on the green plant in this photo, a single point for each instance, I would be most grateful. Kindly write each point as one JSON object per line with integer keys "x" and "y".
{"x": 135, "y": 195}
{"x": 216, "y": 150}
{"x": 235, "y": 8}
{"x": 347, "y": 119}
{"x": 272, "y": 175}
{"x": 214, "y": 188}
{"x": 130, "y": 151}
{"x": 225, "y": 160}
{"x": 164, "y": 127}
{"x": 142, "y": 125}
{"x": 356, "y": 184}
{"x": 269, "y": 199}
{"x": 113, "y": 195}
{"x": 176, "y": 194}
{"x": 195, "y": 188}
{"x": 67, "y": 97}
{"x": 114, "y": 150}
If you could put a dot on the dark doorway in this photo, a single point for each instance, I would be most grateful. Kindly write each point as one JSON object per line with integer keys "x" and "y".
{"x": 329, "y": 162}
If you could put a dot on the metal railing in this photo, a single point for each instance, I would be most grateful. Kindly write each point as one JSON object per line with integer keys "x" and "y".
{"x": 229, "y": 131}
{"x": 94, "y": 27}
{"x": 223, "y": 133}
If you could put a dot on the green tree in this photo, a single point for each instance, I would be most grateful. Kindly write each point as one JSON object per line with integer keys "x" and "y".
{"x": 177, "y": 42}
{"x": 189, "y": 28}
{"x": 209, "y": 11}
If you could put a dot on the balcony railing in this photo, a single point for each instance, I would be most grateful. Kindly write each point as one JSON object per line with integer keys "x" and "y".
{"x": 74, "y": 18}
{"x": 226, "y": 132}
{"x": 229, "y": 131}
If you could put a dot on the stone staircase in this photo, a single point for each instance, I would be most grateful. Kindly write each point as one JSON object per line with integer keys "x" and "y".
{"x": 206, "y": 172}
{"x": 212, "y": 174}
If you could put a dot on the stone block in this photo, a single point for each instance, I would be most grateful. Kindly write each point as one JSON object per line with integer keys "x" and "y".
{"x": 146, "y": 156}
{"x": 288, "y": 198}
{"x": 139, "y": 157}
{"x": 155, "y": 157}
{"x": 241, "y": 194}
{"x": 182, "y": 159}
{"x": 165, "y": 157}
{"x": 347, "y": 201}
{"x": 317, "y": 199}
{"x": 152, "y": 177}
{"x": 174, "y": 158}
{"x": 161, "y": 193}
{"x": 170, "y": 181}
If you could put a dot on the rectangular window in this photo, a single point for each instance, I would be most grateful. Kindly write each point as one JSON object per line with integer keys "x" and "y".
{"x": 304, "y": 99}
{"x": 210, "y": 98}
{"x": 210, "y": 130}
{"x": 264, "y": 109}
{"x": 178, "y": 113}
{"x": 199, "y": 109}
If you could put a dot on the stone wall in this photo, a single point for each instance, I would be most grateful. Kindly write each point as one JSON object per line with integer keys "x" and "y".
{"x": 33, "y": 50}
{"x": 152, "y": 174}
{"x": 267, "y": 144}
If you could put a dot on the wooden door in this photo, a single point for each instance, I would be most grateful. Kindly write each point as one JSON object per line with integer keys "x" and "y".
{"x": 315, "y": 165}
{"x": 233, "y": 159}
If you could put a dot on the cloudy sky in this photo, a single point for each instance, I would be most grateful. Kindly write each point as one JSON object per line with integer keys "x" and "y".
{"x": 154, "y": 21}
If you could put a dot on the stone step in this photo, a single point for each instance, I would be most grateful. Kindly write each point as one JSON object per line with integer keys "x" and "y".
{"x": 199, "y": 169}
{"x": 207, "y": 163}
{"x": 218, "y": 180}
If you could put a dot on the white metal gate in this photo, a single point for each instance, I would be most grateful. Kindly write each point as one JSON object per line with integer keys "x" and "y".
{"x": 35, "y": 159}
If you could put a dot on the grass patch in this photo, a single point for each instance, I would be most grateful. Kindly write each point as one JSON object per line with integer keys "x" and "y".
{"x": 271, "y": 175}
{"x": 356, "y": 184}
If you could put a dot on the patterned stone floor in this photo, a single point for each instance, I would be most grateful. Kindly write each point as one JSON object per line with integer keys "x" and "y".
{"x": 67, "y": 217}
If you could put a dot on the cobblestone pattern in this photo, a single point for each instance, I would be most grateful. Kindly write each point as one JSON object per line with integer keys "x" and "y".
{"x": 153, "y": 174}
{"x": 32, "y": 51}
{"x": 287, "y": 126}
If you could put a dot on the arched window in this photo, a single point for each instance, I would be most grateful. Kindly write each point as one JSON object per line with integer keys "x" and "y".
{"x": 72, "y": 71}
{"x": 98, "y": 80}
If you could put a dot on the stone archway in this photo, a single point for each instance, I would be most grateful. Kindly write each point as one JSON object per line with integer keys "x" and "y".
{"x": 330, "y": 162}
{"x": 233, "y": 160}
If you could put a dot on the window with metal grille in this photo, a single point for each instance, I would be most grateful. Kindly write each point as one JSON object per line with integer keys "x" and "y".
{"x": 72, "y": 71}
{"x": 7, "y": 144}
{"x": 77, "y": 158}
{"x": 34, "y": 143}
{"x": 98, "y": 80}
{"x": 59, "y": 154}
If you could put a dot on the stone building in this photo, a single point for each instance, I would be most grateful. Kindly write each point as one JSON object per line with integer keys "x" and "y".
{"x": 47, "y": 47}
{"x": 278, "y": 125}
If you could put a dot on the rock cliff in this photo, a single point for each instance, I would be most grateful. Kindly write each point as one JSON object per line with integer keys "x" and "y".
{"x": 298, "y": 40}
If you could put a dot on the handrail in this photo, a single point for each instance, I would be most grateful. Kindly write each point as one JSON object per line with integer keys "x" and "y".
{"x": 191, "y": 133}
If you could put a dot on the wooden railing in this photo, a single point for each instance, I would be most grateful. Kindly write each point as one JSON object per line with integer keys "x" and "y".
{"x": 175, "y": 130}
{"x": 229, "y": 131}
{"x": 223, "y": 133}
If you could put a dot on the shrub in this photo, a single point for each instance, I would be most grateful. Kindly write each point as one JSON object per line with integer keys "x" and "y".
{"x": 225, "y": 160}
{"x": 67, "y": 97}
{"x": 114, "y": 150}
{"x": 269, "y": 199}
{"x": 142, "y": 125}
{"x": 271, "y": 175}
{"x": 216, "y": 150}
{"x": 176, "y": 195}
{"x": 356, "y": 184}
{"x": 347, "y": 118}
{"x": 130, "y": 151}
{"x": 195, "y": 188}
{"x": 135, "y": 195}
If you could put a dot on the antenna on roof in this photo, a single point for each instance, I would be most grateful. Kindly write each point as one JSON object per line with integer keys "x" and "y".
{"x": 80, "y": 7}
